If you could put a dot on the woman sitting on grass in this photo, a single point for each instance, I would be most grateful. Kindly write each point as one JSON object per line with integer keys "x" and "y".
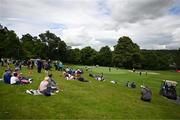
{"x": 44, "y": 88}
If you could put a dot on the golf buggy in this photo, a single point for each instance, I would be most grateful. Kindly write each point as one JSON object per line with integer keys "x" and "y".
{"x": 168, "y": 89}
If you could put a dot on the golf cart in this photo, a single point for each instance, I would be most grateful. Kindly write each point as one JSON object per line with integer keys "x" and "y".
{"x": 168, "y": 89}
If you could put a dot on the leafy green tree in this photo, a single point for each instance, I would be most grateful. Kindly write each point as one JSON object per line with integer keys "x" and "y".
{"x": 126, "y": 53}
{"x": 88, "y": 56}
{"x": 150, "y": 60}
{"x": 10, "y": 45}
{"x": 177, "y": 59}
{"x": 28, "y": 45}
{"x": 104, "y": 56}
{"x": 56, "y": 48}
{"x": 157, "y": 59}
{"x": 74, "y": 56}
{"x": 39, "y": 48}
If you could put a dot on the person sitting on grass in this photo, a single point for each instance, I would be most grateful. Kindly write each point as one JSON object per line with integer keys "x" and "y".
{"x": 52, "y": 84}
{"x": 15, "y": 79}
{"x": 24, "y": 80}
{"x": 7, "y": 76}
{"x": 43, "y": 89}
{"x": 131, "y": 85}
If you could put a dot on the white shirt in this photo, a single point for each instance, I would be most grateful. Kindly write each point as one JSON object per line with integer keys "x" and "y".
{"x": 14, "y": 80}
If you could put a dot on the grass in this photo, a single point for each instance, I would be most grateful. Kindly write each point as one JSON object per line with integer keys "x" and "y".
{"x": 92, "y": 100}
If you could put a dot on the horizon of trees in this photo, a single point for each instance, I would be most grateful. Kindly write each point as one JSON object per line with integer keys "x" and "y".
{"x": 47, "y": 45}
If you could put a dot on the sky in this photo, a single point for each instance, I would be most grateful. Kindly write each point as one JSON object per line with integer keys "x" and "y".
{"x": 152, "y": 24}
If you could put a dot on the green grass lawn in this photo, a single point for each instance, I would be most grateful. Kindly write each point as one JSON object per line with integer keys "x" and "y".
{"x": 92, "y": 100}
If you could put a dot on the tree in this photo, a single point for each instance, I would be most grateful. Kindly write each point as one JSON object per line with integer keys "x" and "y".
{"x": 39, "y": 48}
{"x": 10, "y": 45}
{"x": 74, "y": 56}
{"x": 28, "y": 45}
{"x": 149, "y": 60}
{"x": 177, "y": 59}
{"x": 157, "y": 59}
{"x": 104, "y": 56}
{"x": 55, "y": 49}
{"x": 88, "y": 56}
{"x": 126, "y": 53}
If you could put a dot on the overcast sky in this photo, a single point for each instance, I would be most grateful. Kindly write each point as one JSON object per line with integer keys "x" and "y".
{"x": 152, "y": 24}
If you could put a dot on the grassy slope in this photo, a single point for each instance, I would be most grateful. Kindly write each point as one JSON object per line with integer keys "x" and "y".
{"x": 90, "y": 100}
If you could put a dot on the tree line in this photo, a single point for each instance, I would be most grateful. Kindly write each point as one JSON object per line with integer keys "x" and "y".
{"x": 47, "y": 45}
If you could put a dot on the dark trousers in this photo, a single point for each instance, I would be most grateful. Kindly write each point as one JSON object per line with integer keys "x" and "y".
{"x": 39, "y": 69}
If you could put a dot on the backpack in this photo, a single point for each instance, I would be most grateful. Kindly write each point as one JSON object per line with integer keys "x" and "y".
{"x": 146, "y": 94}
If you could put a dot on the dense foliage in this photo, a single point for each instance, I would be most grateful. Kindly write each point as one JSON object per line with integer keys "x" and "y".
{"x": 49, "y": 46}
{"x": 126, "y": 54}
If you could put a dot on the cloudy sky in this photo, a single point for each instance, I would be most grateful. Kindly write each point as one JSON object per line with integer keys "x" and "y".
{"x": 152, "y": 24}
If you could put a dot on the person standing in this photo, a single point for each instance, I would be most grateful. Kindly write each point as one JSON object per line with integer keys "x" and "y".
{"x": 56, "y": 65}
{"x": 60, "y": 66}
{"x": 109, "y": 69}
{"x": 2, "y": 62}
{"x": 29, "y": 64}
{"x": 39, "y": 65}
{"x": 46, "y": 67}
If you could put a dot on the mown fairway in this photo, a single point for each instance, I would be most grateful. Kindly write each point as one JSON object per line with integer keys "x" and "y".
{"x": 92, "y": 100}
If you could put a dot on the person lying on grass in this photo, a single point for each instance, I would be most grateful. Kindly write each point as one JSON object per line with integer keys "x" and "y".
{"x": 98, "y": 77}
{"x": 70, "y": 74}
{"x": 24, "y": 80}
{"x": 75, "y": 76}
{"x": 45, "y": 88}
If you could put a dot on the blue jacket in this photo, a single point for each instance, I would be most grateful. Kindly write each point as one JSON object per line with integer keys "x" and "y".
{"x": 7, "y": 77}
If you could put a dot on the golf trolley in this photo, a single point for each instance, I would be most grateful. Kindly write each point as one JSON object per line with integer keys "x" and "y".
{"x": 168, "y": 89}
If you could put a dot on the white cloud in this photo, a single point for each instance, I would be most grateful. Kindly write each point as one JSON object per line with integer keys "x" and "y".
{"x": 96, "y": 23}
